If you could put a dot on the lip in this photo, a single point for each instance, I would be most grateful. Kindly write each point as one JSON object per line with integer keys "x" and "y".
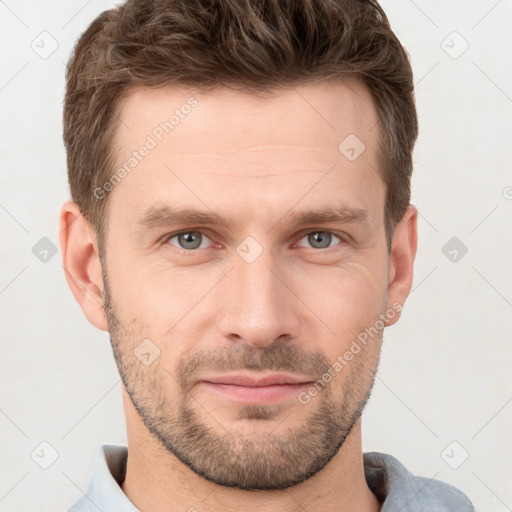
{"x": 247, "y": 388}
{"x": 249, "y": 380}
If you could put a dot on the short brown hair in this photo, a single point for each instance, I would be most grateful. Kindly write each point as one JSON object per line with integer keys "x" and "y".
{"x": 252, "y": 45}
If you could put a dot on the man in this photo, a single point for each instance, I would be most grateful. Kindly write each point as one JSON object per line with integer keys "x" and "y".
{"x": 240, "y": 224}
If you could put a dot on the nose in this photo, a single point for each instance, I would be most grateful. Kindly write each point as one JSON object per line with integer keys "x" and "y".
{"x": 258, "y": 304}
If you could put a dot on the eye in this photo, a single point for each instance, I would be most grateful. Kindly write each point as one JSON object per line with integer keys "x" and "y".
{"x": 321, "y": 239}
{"x": 188, "y": 240}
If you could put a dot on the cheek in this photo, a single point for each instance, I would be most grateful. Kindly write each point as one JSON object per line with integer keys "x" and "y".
{"x": 346, "y": 298}
{"x": 169, "y": 302}
{"x": 348, "y": 305}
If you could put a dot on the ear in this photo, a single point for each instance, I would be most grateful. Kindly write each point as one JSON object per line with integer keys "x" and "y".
{"x": 81, "y": 262}
{"x": 401, "y": 260}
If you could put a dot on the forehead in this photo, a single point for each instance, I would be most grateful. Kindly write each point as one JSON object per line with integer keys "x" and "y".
{"x": 328, "y": 111}
{"x": 225, "y": 148}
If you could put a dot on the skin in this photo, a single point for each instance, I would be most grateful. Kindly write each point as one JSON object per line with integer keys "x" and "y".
{"x": 295, "y": 308}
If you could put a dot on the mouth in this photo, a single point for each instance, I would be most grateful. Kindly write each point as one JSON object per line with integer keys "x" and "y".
{"x": 248, "y": 388}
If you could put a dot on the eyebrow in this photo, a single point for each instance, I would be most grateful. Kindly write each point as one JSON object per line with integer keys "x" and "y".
{"x": 340, "y": 215}
{"x": 161, "y": 216}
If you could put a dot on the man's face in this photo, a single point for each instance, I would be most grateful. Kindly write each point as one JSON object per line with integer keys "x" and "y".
{"x": 264, "y": 293}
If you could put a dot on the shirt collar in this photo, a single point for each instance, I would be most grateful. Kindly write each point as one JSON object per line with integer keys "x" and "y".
{"x": 103, "y": 491}
{"x": 399, "y": 490}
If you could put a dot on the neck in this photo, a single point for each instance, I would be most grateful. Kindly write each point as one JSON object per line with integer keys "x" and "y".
{"x": 157, "y": 481}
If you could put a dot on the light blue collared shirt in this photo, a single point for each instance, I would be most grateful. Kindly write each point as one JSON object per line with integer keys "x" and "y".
{"x": 395, "y": 487}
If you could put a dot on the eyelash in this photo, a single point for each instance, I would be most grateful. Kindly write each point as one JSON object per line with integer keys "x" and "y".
{"x": 193, "y": 252}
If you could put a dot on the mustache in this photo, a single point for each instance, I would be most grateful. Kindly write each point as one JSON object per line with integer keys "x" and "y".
{"x": 279, "y": 356}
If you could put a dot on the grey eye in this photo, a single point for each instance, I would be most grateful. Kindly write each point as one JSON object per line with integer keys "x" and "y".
{"x": 321, "y": 239}
{"x": 189, "y": 240}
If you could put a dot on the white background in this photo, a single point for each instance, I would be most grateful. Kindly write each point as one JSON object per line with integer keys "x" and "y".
{"x": 446, "y": 367}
